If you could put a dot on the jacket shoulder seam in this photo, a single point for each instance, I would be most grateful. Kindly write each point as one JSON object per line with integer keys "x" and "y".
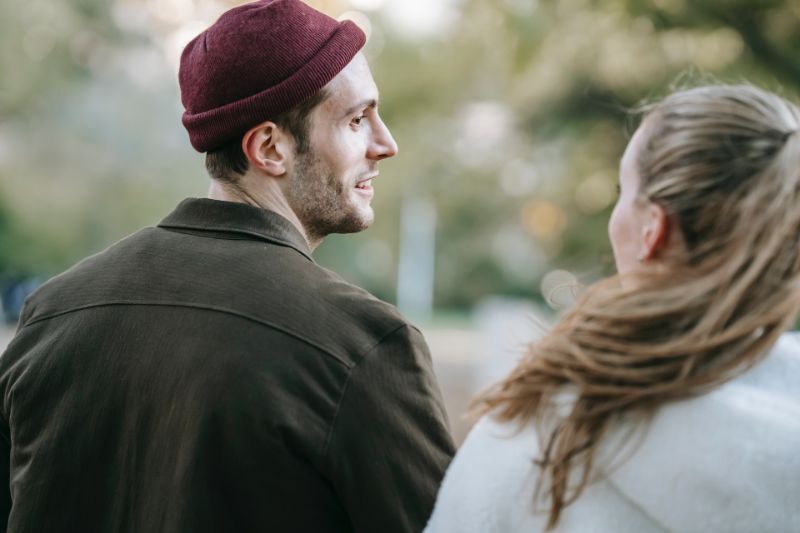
{"x": 335, "y": 419}
{"x": 212, "y": 308}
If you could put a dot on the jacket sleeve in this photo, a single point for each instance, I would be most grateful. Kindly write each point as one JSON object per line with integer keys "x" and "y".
{"x": 5, "y": 477}
{"x": 389, "y": 444}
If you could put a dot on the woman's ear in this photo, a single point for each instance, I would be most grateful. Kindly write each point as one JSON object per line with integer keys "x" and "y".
{"x": 267, "y": 148}
{"x": 655, "y": 232}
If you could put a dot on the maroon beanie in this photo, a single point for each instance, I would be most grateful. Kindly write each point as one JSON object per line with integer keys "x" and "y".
{"x": 257, "y": 61}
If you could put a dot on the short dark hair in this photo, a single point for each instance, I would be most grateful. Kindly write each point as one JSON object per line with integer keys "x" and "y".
{"x": 228, "y": 162}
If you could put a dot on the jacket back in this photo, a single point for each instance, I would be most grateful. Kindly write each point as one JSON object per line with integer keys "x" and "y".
{"x": 207, "y": 375}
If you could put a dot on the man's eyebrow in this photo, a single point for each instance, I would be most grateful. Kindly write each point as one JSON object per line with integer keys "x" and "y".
{"x": 371, "y": 102}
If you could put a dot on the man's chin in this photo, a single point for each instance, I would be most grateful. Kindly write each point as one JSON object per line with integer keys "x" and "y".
{"x": 350, "y": 221}
{"x": 359, "y": 223}
{"x": 367, "y": 217}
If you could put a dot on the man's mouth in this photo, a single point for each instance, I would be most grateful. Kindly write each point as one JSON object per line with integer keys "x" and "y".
{"x": 366, "y": 183}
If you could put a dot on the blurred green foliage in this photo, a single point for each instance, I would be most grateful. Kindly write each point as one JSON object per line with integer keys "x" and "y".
{"x": 517, "y": 200}
{"x": 511, "y": 119}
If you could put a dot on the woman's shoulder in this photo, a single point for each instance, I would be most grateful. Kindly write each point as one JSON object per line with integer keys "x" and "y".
{"x": 728, "y": 458}
{"x": 492, "y": 474}
{"x": 490, "y": 485}
{"x": 779, "y": 371}
{"x": 765, "y": 396}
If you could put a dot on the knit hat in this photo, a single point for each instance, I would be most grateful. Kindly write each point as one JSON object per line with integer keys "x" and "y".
{"x": 257, "y": 61}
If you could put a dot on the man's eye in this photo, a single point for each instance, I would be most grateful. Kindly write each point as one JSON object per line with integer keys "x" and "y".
{"x": 357, "y": 120}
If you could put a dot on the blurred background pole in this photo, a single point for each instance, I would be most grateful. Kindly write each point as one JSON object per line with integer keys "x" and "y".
{"x": 417, "y": 248}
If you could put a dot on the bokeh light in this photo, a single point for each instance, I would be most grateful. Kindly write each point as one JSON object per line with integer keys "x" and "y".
{"x": 545, "y": 220}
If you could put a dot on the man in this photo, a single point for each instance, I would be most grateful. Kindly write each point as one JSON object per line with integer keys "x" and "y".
{"x": 206, "y": 375}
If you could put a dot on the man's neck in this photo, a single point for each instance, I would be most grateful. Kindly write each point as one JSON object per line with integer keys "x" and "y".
{"x": 269, "y": 197}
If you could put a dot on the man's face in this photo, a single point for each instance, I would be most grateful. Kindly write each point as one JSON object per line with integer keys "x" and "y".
{"x": 330, "y": 185}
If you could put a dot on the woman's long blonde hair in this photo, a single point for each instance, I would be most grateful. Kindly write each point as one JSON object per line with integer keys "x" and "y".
{"x": 724, "y": 163}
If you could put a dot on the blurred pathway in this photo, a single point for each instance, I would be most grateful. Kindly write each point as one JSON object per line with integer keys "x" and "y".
{"x": 469, "y": 359}
{"x": 456, "y": 355}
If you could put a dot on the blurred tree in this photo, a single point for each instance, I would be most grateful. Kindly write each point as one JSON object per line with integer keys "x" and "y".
{"x": 7, "y": 239}
{"x": 767, "y": 28}
{"x": 515, "y": 117}
{"x": 91, "y": 146}
{"x": 45, "y": 44}
{"x": 44, "y": 47}
{"x": 511, "y": 116}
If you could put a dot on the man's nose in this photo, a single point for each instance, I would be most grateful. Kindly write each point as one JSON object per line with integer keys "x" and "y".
{"x": 383, "y": 144}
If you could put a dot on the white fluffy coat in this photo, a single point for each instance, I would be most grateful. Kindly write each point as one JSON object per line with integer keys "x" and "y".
{"x": 727, "y": 461}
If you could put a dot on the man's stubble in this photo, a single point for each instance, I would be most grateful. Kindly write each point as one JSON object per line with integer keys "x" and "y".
{"x": 322, "y": 201}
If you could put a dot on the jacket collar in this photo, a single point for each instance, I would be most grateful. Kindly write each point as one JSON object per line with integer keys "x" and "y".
{"x": 203, "y": 215}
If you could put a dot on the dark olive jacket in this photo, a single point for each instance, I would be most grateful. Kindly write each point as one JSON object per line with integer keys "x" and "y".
{"x": 206, "y": 375}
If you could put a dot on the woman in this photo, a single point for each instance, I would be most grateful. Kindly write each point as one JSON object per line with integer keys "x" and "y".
{"x": 666, "y": 399}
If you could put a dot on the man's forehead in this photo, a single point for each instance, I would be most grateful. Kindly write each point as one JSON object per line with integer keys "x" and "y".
{"x": 353, "y": 86}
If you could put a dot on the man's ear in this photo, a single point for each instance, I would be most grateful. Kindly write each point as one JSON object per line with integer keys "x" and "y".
{"x": 267, "y": 148}
{"x": 655, "y": 232}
